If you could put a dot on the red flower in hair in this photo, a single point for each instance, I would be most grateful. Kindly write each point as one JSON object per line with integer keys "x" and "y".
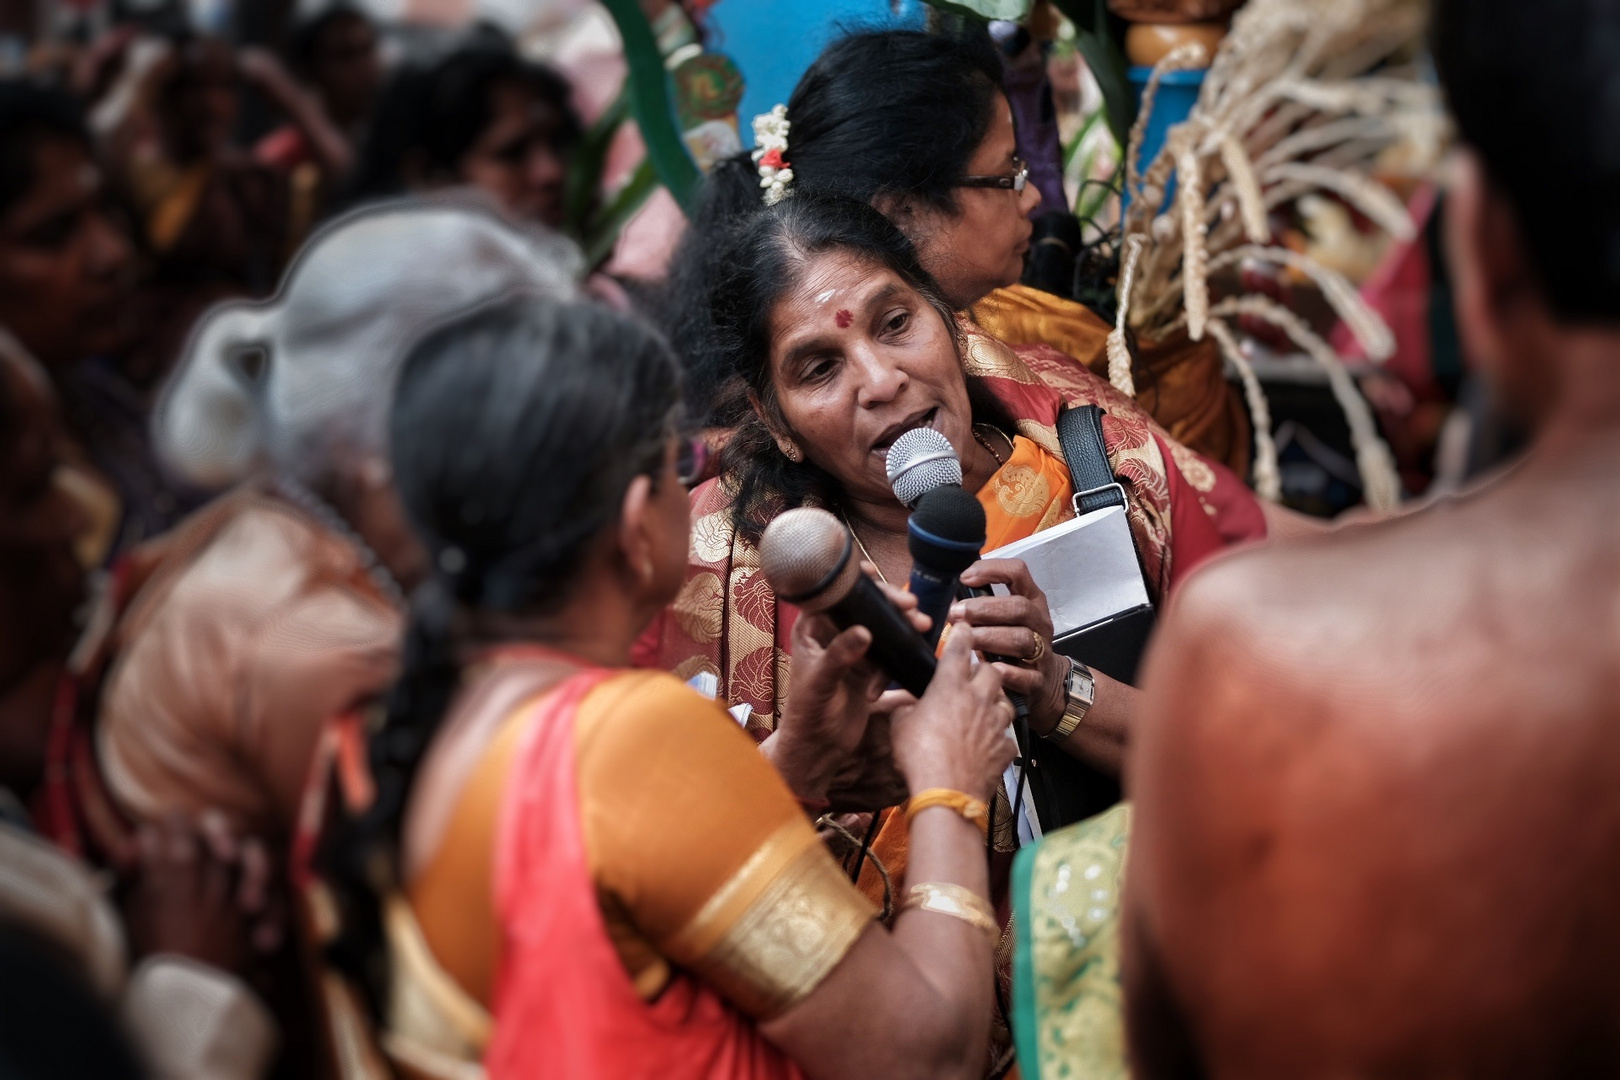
{"x": 773, "y": 159}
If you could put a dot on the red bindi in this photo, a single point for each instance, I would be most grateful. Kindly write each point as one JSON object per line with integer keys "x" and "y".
{"x": 843, "y": 318}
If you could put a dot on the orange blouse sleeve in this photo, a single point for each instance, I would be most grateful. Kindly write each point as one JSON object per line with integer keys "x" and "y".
{"x": 701, "y": 857}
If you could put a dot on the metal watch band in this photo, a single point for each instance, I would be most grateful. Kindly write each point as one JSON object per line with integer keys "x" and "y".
{"x": 1081, "y": 692}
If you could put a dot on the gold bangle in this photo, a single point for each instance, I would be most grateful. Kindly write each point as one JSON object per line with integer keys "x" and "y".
{"x": 945, "y": 898}
{"x": 975, "y": 810}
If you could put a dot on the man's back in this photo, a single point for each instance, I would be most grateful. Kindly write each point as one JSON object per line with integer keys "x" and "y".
{"x": 1378, "y": 819}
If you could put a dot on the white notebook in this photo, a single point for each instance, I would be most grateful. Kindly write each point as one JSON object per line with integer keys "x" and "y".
{"x": 1086, "y": 567}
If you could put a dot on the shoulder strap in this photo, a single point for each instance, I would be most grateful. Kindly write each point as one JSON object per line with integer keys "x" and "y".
{"x": 1079, "y": 431}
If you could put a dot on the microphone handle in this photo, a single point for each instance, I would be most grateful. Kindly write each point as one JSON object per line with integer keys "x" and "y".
{"x": 935, "y": 593}
{"x": 1028, "y": 766}
{"x": 896, "y": 647}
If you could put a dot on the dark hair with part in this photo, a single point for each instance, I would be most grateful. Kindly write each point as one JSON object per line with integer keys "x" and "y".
{"x": 896, "y": 112}
{"x": 729, "y": 338}
{"x": 29, "y": 113}
{"x": 1535, "y": 91}
{"x": 430, "y": 116}
{"x": 515, "y": 432}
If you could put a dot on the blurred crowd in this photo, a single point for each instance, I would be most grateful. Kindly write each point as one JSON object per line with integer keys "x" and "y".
{"x": 146, "y": 175}
{"x": 394, "y": 679}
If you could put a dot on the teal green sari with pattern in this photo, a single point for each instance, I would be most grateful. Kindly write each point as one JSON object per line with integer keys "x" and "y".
{"x": 1068, "y": 1020}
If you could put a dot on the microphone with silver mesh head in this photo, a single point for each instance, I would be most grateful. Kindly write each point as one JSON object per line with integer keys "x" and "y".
{"x": 919, "y": 461}
{"x": 808, "y": 558}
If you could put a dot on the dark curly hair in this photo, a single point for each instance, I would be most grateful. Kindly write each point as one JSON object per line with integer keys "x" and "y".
{"x": 435, "y": 113}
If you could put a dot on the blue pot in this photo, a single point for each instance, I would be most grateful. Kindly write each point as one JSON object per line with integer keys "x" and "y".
{"x": 1173, "y": 103}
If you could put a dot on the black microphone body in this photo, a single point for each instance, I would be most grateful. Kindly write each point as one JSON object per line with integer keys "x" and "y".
{"x": 905, "y": 655}
{"x": 944, "y": 535}
{"x": 808, "y": 558}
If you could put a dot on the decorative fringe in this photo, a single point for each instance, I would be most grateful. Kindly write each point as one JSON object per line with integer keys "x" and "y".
{"x": 1247, "y": 189}
{"x": 1303, "y": 96}
{"x": 1119, "y": 354}
{"x": 1195, "y": 261}
{"x": 1267, "y": 474}
{"x": 1380, "y": 483}
{"x": 1370, "y": 197}
{"x": 1364, "y": 323}
{"x": 1182, "y": 57}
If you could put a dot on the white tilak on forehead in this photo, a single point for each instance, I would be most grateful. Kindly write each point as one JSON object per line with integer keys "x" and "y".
{"x": 826, "y": 296}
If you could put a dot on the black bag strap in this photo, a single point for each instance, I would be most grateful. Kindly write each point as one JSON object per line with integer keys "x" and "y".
{"x": 1079, "y": 431}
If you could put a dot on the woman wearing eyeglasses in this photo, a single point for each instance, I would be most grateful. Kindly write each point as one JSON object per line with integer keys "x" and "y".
{"x": 917, "y": 125}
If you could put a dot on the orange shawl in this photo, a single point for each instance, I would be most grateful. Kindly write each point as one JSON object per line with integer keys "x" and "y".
{"x": 1180, "y": 383}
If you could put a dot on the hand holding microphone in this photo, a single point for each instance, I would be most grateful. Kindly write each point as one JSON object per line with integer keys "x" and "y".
{"x": 808, "y": 557}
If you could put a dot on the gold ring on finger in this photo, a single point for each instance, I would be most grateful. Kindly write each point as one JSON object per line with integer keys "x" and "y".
{"x": 1040, "y": 650}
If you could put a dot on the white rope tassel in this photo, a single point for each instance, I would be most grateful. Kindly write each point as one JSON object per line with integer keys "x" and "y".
{"x": 1380, "y": 483}
{"x": 1195, "y": 256}
{"x": 1267, "y": 474}
{"x": 1119, "y": 354}
{"x": 1246, "y": 188}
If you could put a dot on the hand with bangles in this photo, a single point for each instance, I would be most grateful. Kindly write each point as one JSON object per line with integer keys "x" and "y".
{"x": 956, "y": 738}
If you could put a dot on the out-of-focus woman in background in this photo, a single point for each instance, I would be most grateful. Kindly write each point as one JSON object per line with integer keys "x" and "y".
{"x": 482, "y": 117}
{"x": 594, "y": 872}
{"x": 229, "y": 642}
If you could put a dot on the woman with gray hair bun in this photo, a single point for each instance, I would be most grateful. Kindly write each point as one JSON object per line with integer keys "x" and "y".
{"x": 279, "y": 606}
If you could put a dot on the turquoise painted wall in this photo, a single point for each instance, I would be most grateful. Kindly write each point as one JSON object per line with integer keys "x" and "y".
{"x": 774, "y": 41}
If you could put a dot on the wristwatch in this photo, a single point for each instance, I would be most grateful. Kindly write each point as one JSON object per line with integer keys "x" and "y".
{"x": 1080, "y": 689}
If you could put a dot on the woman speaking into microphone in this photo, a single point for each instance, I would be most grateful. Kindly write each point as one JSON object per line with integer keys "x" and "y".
{"x": 837, "y": 343}
{"x": 576, "y": 869}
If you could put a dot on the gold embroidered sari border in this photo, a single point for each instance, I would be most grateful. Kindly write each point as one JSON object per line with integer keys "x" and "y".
{"x": 778, "y": 926}
{"x": 740, "y": 891}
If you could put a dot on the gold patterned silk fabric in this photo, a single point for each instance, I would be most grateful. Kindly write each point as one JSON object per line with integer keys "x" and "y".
{"x": 777, "y": 927}
{"x": 1067, "y": 1009}
{"x": 1031, "y": 491}
{"x": 1181, "y": 383}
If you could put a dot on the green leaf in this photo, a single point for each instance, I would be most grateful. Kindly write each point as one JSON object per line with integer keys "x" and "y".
{"x": 1080, "y": 137}
{"x": 590, "y": 159}
{"x": 603, "y": 231}
{"x": 1012, "y": 10}
{"x": 650, "y": 102}
{"x": 1097, "y": 39}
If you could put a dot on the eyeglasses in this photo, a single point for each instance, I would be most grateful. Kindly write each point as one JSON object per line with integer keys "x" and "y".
{"x": 691, "y": 460}
{"x": 1017, "y": 181}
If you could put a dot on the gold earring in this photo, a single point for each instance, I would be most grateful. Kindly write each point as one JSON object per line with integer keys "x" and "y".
{"x": 792, "y": 452}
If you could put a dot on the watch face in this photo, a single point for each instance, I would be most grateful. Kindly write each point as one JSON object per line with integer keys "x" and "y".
{"x": 1081, "y": 685}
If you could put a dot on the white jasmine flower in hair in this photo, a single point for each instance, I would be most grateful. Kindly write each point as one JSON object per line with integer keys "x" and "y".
{"x": 771, "y": 136}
